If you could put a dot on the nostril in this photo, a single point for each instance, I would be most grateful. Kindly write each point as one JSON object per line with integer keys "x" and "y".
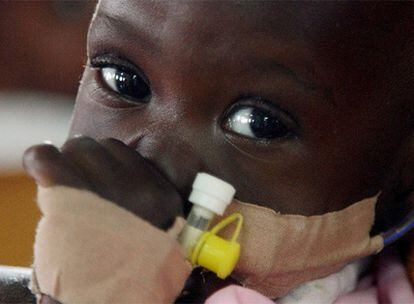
{"x": 134, "y": 141}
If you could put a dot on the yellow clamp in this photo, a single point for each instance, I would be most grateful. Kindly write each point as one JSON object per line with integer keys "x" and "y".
{"x": 215, "y": 253}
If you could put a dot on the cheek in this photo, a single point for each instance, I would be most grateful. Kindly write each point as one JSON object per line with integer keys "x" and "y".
{"x": 92, "y": 118}
{"x": 294, "y": 183}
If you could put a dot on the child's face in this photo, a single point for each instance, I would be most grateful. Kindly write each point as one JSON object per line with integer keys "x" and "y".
{"x": 301, "y": 106}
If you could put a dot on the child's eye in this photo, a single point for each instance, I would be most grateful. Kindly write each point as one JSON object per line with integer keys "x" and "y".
{"x": 122, "y": 78}
{"x": 125, "y": 82}
{"x": 253, "y": 122}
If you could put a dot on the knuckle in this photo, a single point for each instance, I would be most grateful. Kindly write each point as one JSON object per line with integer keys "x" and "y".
{"x": 78, "y": 142}
{"x": 111, "y": 142}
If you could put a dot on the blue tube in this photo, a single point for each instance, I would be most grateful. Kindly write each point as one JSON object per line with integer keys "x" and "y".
{"x": 399, "y": 230}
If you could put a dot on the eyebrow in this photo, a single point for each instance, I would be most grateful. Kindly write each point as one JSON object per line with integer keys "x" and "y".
{"x": 126, "y": 29}
{"x": 272, "y": 64}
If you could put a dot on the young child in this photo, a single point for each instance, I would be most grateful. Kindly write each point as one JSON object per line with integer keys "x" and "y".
{"x": 305, "y": 108}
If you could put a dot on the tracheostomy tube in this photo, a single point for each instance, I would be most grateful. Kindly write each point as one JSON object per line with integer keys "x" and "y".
{"x": 210, "y": 197}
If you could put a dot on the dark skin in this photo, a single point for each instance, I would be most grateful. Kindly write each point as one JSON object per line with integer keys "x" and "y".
{"x": 334, "y": 80}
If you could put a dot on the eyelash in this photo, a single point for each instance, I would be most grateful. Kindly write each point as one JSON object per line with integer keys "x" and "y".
{"x": 109, "y": 60}
{"x": 265, "y": 107}
{"x": 109, "y": 96}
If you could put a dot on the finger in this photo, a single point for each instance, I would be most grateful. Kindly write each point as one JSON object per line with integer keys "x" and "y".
{"x": 143, "y": 190}
{"x": 154, "y": 188}
{"x": 97, "y": 164}
{"x": 136, "y": 163}
{"x": 120, "y": 151}
{"x": 46, "y": 165}
{"x": 128, "y": 157}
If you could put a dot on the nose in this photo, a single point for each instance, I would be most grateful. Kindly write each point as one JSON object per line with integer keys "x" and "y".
{"x": 173, "y": 156}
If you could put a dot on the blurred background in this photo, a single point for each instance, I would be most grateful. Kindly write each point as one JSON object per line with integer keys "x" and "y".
{"x": 42, "y": 51}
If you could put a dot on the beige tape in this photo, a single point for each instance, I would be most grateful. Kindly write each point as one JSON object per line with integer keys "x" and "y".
{"x": 89, "y": 250}
{"x": 279, "y": 252}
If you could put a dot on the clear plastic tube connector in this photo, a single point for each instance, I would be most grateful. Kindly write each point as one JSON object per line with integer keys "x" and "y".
{"x": 210, "y": 197}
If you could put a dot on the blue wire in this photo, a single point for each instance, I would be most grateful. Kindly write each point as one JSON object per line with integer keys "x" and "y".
{"x": 395, "y": 233}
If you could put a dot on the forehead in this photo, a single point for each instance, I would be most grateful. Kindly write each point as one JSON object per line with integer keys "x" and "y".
{"x": 216, "y": 24}
{"x": 202, "y": 13}
{"x": 305, "y": 20}
{"x": 299, "y": 34}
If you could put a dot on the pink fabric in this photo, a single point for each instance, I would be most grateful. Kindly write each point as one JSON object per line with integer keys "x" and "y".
{"x": 238, "y": 295}
{"x": 387, "y": 284}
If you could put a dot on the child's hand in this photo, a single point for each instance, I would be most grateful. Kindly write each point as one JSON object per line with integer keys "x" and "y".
{"x": 112, "y": 170}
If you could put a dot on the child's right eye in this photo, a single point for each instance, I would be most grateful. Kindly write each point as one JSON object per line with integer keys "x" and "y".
{"x": 123, "y": 81}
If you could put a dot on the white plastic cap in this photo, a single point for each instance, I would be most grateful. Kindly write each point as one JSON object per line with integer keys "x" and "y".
{"x": 211, "y": 193}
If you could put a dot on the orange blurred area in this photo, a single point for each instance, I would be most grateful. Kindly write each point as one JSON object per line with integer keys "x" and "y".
{"x": 42, "y": 53}
{"x": 18, "y": 218}
{"x": 29, "y": 119}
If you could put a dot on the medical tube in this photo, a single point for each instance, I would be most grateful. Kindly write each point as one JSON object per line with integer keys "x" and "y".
{"x": 210, "y": 197}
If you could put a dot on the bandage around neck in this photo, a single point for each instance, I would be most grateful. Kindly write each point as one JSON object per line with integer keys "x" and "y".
{"x": 89, "y": 250}
{"x": 279, "y": 252}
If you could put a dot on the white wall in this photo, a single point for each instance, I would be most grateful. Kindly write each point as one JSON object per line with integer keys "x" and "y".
{"x": 30, "y": 118}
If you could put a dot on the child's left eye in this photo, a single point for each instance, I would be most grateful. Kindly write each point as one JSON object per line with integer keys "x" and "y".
{"x": 253, "y": 122}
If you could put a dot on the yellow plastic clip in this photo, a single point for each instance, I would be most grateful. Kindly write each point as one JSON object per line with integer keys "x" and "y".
{"x": 215, "y": 253}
